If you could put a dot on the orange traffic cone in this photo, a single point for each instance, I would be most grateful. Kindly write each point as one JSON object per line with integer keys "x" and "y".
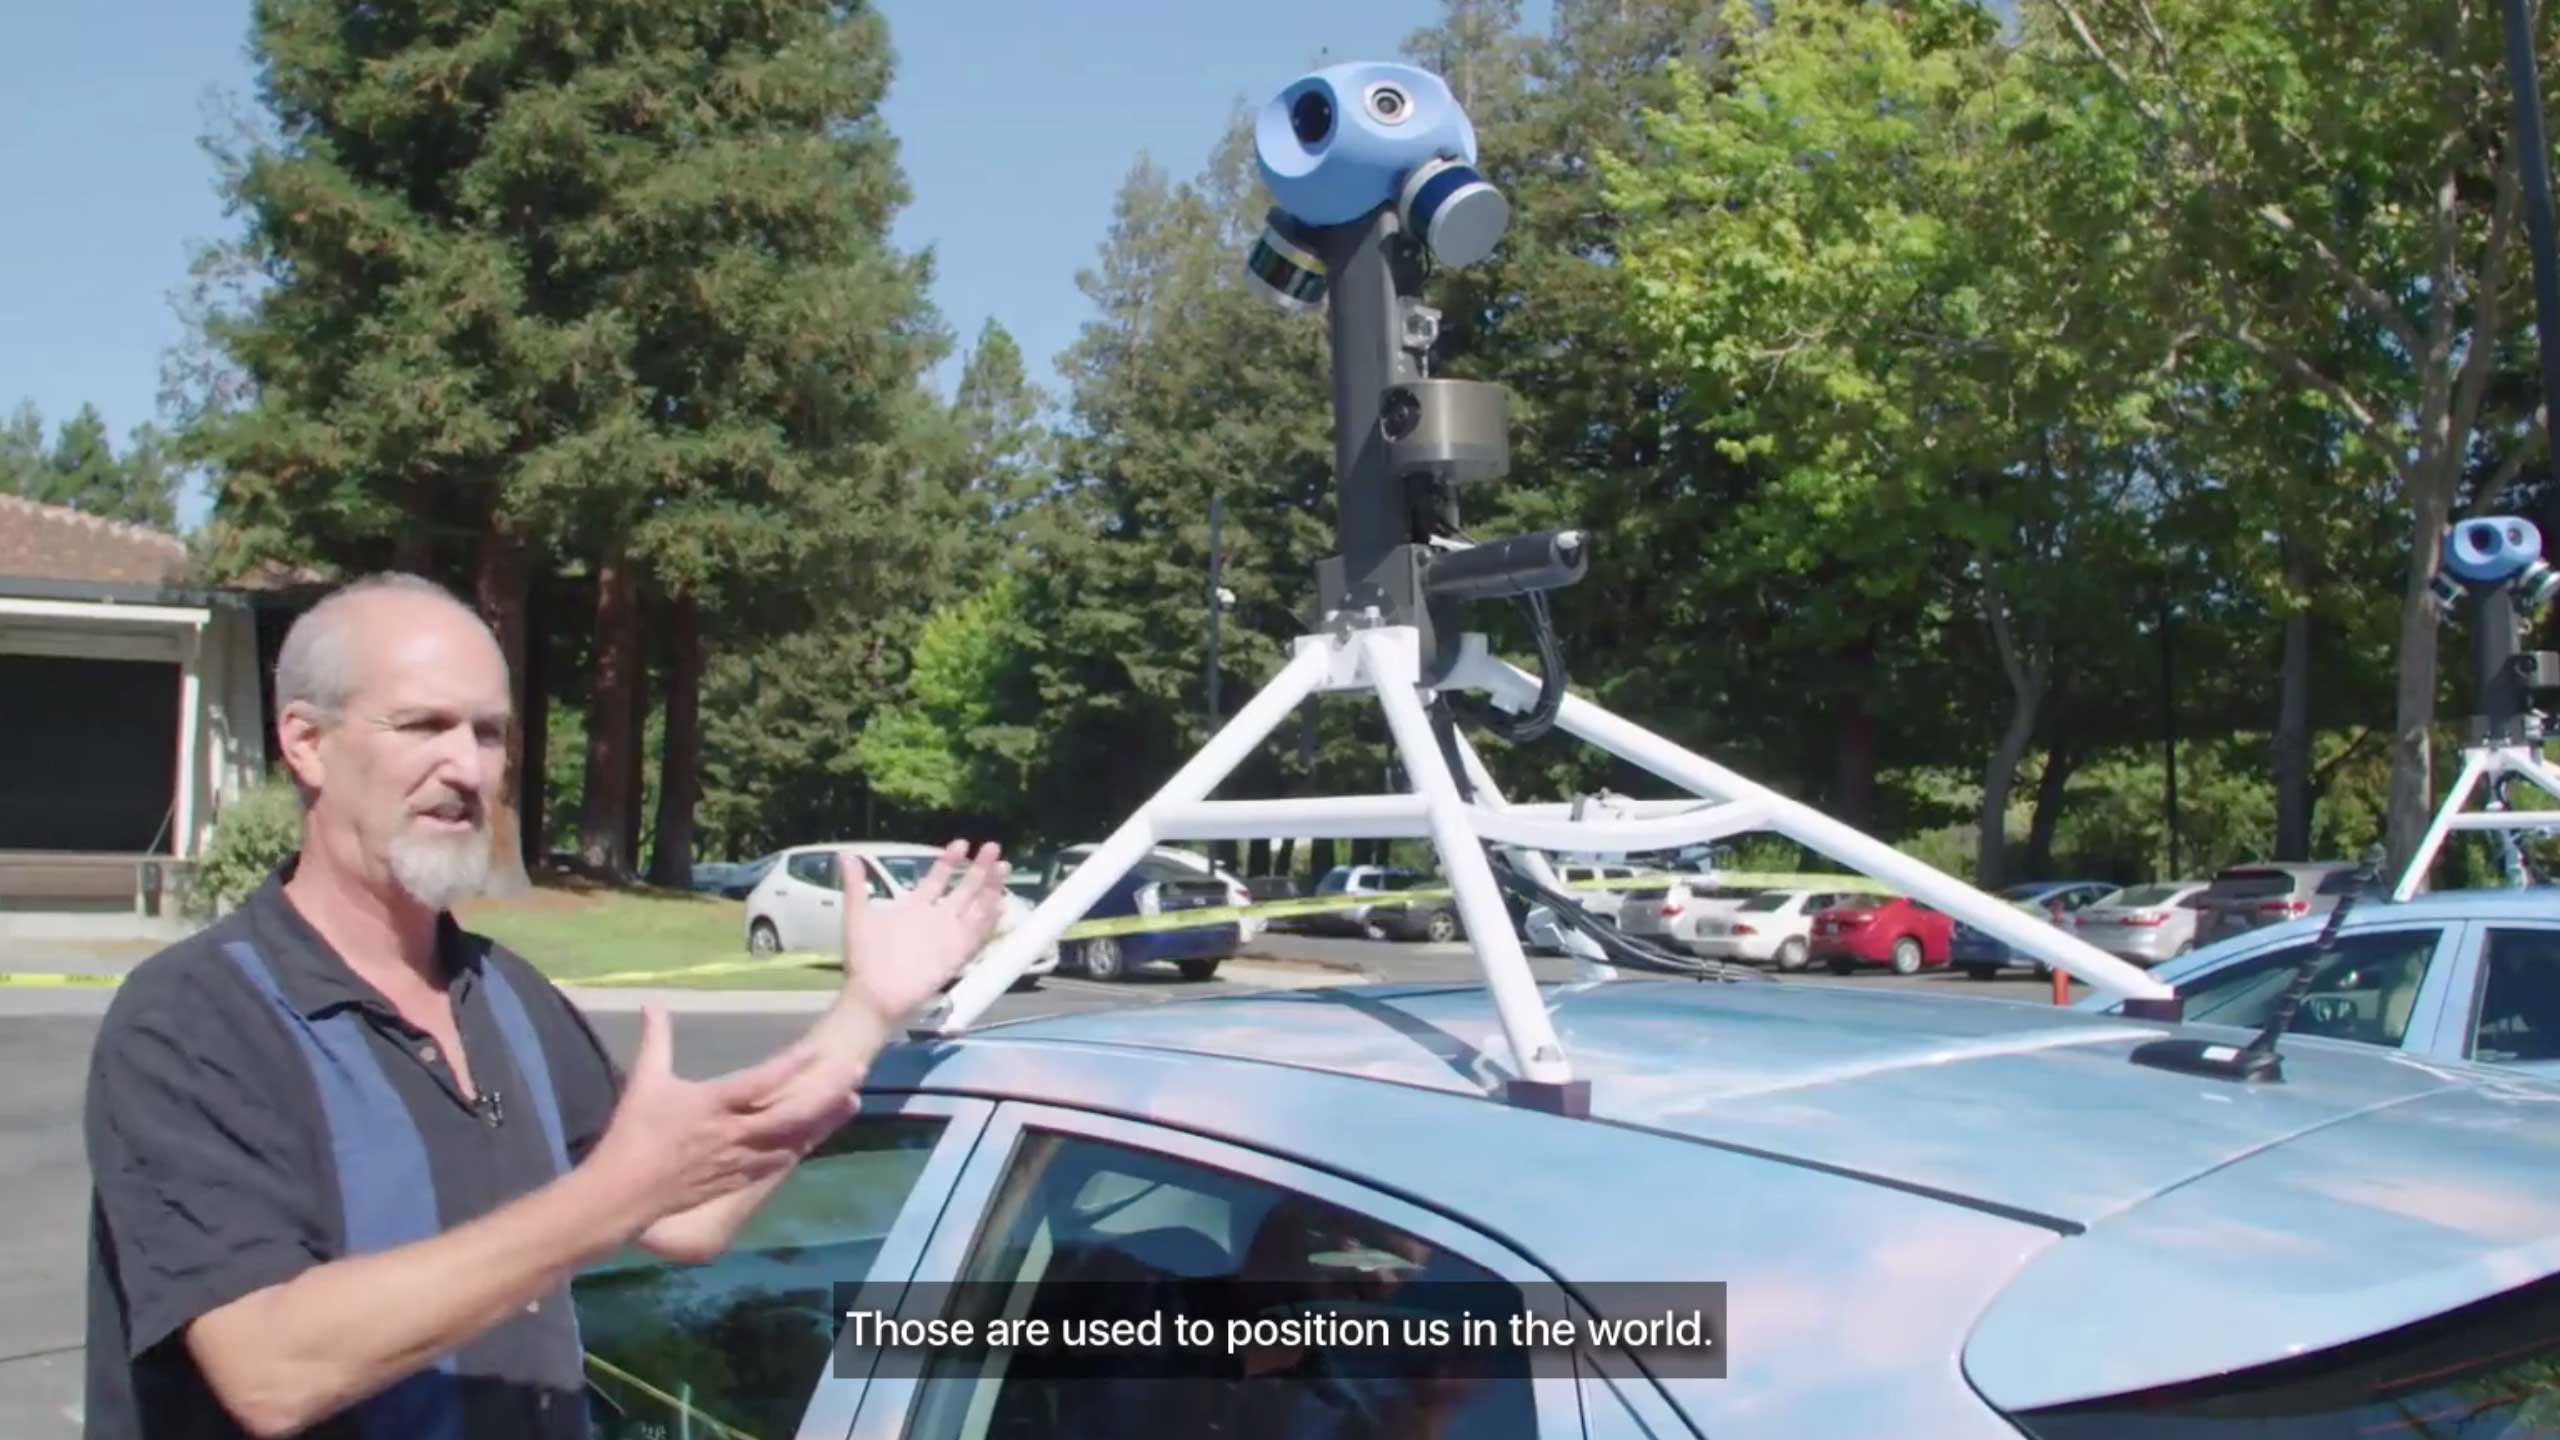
{"x": 2061, "y": 986}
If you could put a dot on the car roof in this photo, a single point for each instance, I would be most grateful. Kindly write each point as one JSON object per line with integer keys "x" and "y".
{"x": 866, "y": 847}
{"x": 1986, "y": 1136}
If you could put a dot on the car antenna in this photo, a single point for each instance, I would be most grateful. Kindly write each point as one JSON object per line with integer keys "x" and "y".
{"x": 2257, "y": 1061}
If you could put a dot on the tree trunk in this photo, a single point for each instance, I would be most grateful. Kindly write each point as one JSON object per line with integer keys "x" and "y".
{"x": 2414, "y": 708}
{"x": 499, "y": 589}
{"x": 2293, "y": 719}
{"x": 635, "y": 770}
{"x": 2028, "y": 674}
{"x": 532, "y": 796}
{"x": 413, "y": 549}
{"x": 601, "y": 822}
{"x": 679, "y": 770}
{"x": 1853, "y": 784}
{"x": 1257, "y": 858}
{"x": 1320, "y": 856}
{"x": 2059, "y": 762}
{"x": 1288, "y": 852}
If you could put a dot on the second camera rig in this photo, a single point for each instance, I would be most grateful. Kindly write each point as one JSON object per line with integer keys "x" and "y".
{"x": 2495, "y": 562}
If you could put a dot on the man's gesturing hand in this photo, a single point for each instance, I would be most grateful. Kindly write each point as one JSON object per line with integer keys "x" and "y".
{"x": 899, "y": 954}
{"x": 677, "y": 1143}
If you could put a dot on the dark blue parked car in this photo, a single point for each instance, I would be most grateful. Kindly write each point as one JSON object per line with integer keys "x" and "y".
{"x": 1982, "y": 957}
{"x": 1152, "y": 887}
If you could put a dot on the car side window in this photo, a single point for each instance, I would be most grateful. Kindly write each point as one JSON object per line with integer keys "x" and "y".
{"x": 2364, "y": 991}
{"x": 2517, "y": 1014}
{"x": 874, "y": 884}
{"x": 1083, "y": 1226}
{"x": 737, "y": 1346}
{"x": 816, "y": 867}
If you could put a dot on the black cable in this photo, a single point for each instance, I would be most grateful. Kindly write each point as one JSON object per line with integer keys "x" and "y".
{"x": 2262, "y": 1049}
{"x": 1620, "y": 949}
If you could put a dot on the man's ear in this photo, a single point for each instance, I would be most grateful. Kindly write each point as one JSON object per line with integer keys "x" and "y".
{"x": 298, "y": 734}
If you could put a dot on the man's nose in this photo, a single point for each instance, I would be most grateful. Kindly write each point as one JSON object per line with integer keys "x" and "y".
{"x": 466, "y": 762}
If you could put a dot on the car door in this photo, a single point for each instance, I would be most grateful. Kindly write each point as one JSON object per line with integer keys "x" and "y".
{"x": 744, "y": 1344}
{"x": 812, "y": 901}
{"x": 1066, "y": 1213}
{"x": 2503, "y": 1006}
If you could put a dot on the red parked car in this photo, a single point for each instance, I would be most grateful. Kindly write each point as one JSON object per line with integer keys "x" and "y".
{"x": 1876, "y": 930}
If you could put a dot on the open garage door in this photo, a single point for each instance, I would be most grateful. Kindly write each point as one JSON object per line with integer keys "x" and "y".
{"x": 91, "y": 751}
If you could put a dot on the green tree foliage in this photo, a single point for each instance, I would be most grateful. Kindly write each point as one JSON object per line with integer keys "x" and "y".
{"x": 945, "y": 750}
{"x": 82, "y": 471}
{"x": 1846, "y": 251}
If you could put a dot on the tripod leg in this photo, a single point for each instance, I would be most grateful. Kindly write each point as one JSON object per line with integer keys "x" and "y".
{"x": 1004, "y": 961}
{"x": 1517, "y": 689}
{"x": 2475, "y": 764}
{"x": 1395, "y": 669}
{"x": 1489, "y": 795}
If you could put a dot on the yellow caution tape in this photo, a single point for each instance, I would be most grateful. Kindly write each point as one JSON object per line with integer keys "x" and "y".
{"x": 695, "y": 1412}
{"x": 1118, "y": 925}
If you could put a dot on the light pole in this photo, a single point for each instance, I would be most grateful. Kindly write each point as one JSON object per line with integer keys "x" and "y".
{"x": 1217, "y": 605}
{"x": 2169, "y": 731}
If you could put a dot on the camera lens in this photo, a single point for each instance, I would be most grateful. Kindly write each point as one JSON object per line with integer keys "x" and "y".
{"x": 1389, "y": 104}
{"x": 1312, "y": 117}
{"x": 1400, "y": 413}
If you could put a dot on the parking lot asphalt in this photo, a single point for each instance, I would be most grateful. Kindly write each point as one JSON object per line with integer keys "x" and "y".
{"x": 45, "y": 1038}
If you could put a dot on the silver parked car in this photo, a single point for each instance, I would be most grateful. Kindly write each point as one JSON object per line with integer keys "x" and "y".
{"x": 2144, "y": 924}
{"x": 1932, "y": 1215}
{"x": 2249, "y": 897}
{"x": 1675, "y": 911}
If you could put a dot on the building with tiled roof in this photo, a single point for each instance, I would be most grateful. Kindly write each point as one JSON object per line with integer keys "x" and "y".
{"x": 132, "y": 707}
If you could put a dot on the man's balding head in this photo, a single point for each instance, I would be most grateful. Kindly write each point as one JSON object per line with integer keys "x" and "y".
{"x": 392, "y": 703}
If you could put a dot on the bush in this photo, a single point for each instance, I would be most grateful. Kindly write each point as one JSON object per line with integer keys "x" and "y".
{"x": 256, "y": 833}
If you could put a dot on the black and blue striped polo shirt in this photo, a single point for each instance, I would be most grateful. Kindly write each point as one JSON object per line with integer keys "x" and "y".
{"x": 255, "y": 1108}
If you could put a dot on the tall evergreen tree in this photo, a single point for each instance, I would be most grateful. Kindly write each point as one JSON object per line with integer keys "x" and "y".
{"x": 543, "y": 291}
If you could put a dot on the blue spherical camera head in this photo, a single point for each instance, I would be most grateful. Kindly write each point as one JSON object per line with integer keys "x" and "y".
{"x": 2492, "y": 552}
{"x": 1372, "y": 168}
{"x": 1335, "y": 146}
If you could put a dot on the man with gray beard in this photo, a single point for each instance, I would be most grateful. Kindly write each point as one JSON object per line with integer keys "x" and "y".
{"x": 347, "y": 1157}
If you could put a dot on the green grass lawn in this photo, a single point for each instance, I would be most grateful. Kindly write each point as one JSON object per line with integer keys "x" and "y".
{"x": 576, "y": 931}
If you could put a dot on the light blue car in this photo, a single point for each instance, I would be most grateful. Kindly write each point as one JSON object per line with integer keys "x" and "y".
{"x": 1935, "y": 1215}
{"x": 2466, "y": 975}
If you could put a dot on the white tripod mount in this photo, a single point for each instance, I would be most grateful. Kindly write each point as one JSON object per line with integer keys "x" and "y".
{"x": 1385, "y": 661}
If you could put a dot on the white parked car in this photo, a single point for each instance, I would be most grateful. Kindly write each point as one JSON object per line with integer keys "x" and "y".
{"x": 1773, "y": 925}
{"x": 799, "y": 905}
{"x": 1237, "y": 892}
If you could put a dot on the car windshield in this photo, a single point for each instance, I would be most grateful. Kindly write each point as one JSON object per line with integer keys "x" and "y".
{"x": 1335, "y": 881}
{"x": 1776, "y": 900}
{"x": 2024, "y": 892}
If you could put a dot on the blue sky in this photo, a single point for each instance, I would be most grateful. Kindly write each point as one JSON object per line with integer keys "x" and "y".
{"x": 1017, "y": 119}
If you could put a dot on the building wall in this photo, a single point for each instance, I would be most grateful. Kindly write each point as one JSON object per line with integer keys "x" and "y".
{"x": 232, "y": 719}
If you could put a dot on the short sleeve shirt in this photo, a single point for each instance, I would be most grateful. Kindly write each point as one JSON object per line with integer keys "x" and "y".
{"x": 214, "y": 1174}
